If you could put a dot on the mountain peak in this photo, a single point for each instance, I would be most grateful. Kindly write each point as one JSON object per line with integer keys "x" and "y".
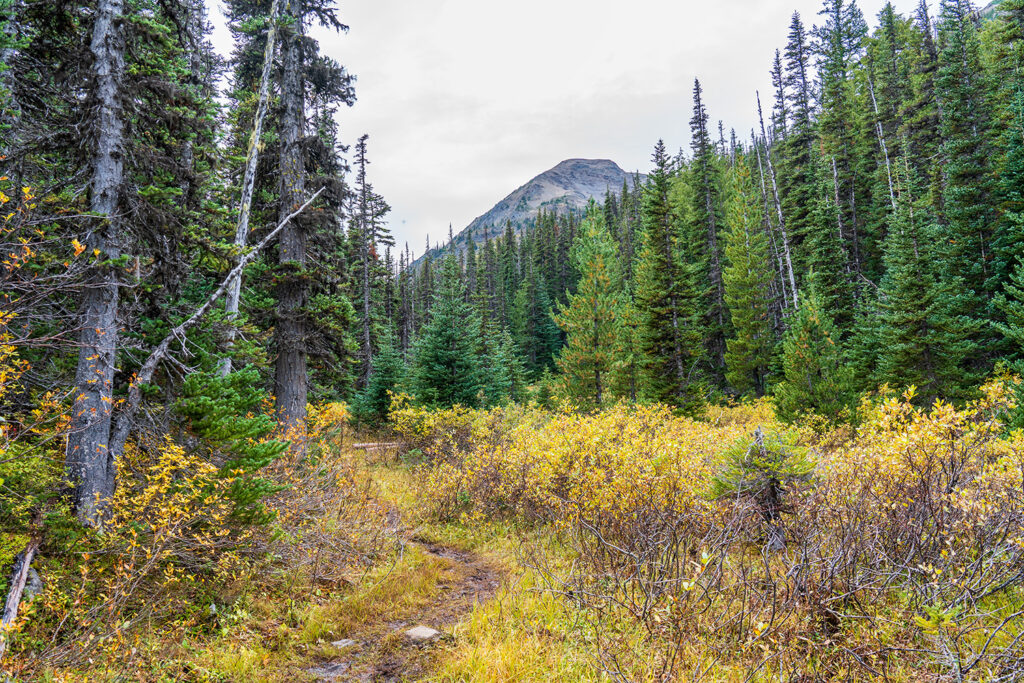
{"x": 566, "y": 187}
{"x": 593, "y": 163}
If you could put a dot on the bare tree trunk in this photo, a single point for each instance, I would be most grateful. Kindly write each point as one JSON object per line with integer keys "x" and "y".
{"x": 290, "y": 378}
{"x": 365, "y": 220}
{"x": 768, "y": 222}
{"x": 366, "y": 341}
{"x": 881, "y": 142}
{"x": 195, "y": 18}
{"x": 89, "y": 464}
{"x": 716, "y": 274}
{"x": 778, "y": 211}
{"x": 10, "y": 109}
{"x": 839, "y": 212}
{"x": 249, "y": 177}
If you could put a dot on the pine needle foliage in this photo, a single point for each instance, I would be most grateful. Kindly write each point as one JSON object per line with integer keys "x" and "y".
{"x": 225, "y": 412}
{"x": 816, "y": 378}
{"x": 592, "y": 318}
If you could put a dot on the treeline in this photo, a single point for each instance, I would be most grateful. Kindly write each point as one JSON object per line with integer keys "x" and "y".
{"x": 867, "y": 231}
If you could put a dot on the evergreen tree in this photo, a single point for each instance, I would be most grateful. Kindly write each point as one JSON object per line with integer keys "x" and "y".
{"x": 747, "y": 280}
{"x": 920, "y": 113}
{"x": 838, "y": 45}
{"x": 827, "y": 262}
{"x": 501, "y": 368}
{"x": 815, "y": 378}
{"x": 508, "y": 253}
{"x": 446, "y": 369}
{"x": 966, "y": 154}
{"x": 532, "y": 327}
{"x": 780, "y": 109}
{"x": 667, "y": 299}
{"x": 704, "y": 248}
{"x": 796, "y": 179}
{"x": 224, "y": 411}
{"x": 921, "y": 340}
{"x": 1011, "y": 303}
{"x": 1009, "y": 231}
{"x": 371, "y": 405}
{"x": 592, "y": 318}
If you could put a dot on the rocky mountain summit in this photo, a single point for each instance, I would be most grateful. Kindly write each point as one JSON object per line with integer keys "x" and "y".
{"x": 565, "y": 188}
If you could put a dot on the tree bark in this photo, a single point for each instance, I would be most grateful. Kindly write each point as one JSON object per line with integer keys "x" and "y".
{"x": 290, "y": 379}
{"x": 881, "y": 143}
{"x": 366, "y": 232}
{"x": 768, "y": 221}
{"x": 89, "y": 464}
{"x": 249, "y": 177}
{"x": 10, "y": 109}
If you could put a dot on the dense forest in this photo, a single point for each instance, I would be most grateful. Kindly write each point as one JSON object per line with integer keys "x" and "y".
{"x": 200, "y": 289}
{"x": 865, "y": 231}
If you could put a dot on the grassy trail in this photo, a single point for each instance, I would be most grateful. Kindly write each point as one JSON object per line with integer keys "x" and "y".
{"x": 450, "y": 583}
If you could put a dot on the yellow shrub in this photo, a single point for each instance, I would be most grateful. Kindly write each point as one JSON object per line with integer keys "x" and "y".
{"x": 564, "y": 466}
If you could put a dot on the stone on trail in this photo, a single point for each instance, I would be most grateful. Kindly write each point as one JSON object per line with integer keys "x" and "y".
{"x": 336, "y": 671}
{"x": 343, "y": 643}
{"x": 422, "y": 634}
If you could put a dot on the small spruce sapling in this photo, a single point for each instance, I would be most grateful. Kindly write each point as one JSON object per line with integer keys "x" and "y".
{"x": 759, "y": 468}
{"x": 223, "y": 413}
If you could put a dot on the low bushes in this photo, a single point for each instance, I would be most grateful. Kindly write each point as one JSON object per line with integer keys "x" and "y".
{"x": 740, "y": 547}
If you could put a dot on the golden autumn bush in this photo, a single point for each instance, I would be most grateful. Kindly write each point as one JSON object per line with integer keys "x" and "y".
{"x": 164, "y": 547}
{"x": 895, "y": 547}
{"x": 328, "y": 523}
{"x": 560, "y": 466}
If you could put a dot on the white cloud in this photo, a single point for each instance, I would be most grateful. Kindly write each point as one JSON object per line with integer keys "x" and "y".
{"x": 465, "y": 100}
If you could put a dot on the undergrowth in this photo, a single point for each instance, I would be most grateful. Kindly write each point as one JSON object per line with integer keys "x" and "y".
{"x": 655, "y": 547}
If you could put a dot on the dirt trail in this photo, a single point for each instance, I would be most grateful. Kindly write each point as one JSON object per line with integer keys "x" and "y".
{"x": 381, "y": 651}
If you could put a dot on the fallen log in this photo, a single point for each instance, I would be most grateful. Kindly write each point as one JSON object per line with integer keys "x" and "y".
{"x": 22, "y": 563}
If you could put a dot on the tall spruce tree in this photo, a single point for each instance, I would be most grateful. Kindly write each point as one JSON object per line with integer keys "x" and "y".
{"x": 667, "y": 298}
{"x": 815, "y": 377}
{"x": 965, "y": 126}
{"x": 921, "y": 340}
{"x": 748, "y": 278}
{"x": 920, "y": 112}
{"x": 838, "y": 44}
{"x": 592, "y": 318}
{"x": 446, "y": 368}
{"x": 531, "y": 325}
{"x": 796, "y": 179}
{"x": 371, "y": 405}
{"x": 1011, "y": 303}
{"x": 704, "y": 246}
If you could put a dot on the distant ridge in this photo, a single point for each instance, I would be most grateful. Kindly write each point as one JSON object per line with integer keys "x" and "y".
{"x": 567, "y": 187}
{"x": 989, "y": 11}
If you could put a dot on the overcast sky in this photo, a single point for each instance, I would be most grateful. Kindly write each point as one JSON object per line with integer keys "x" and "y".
{"x": 465, "y": 100}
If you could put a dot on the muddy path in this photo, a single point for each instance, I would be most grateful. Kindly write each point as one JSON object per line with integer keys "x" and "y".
{"x": 383, "y": 649}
